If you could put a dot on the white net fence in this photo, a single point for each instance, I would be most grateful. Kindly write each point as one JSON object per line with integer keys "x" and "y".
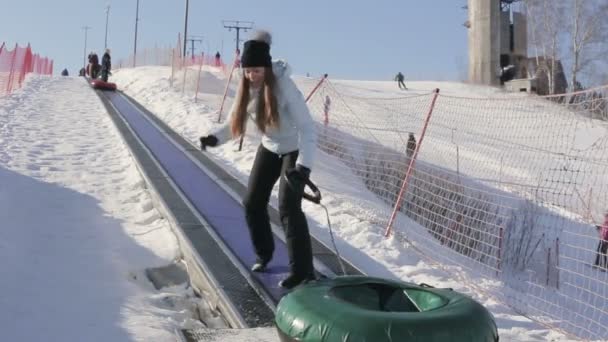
{"x": 147, "y": 56}
{"x": 185, "y": 71}
{"x": 509, "y": 188}
{"x": 504, "y": 190}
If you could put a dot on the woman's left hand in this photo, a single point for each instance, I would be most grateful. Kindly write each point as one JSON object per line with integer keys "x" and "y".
{"x": 297, "y": 178}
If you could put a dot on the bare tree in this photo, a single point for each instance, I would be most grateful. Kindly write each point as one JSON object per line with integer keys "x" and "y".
{"x": 545, "y": 20}
{"x": 588, "y": 35}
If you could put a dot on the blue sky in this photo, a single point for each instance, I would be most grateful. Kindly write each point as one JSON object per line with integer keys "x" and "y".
{"x": 368, "y": 40}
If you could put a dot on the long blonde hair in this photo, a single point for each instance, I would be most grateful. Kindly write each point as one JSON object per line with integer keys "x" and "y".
{"x": 267, "y": 114}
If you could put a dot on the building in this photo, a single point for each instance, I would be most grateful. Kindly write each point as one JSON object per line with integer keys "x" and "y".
{"x": 484, "y": 41}
{"x": 497, "y": 40}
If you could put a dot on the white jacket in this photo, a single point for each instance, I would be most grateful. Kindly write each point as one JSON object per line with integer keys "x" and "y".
{"x": 296, "y": 129}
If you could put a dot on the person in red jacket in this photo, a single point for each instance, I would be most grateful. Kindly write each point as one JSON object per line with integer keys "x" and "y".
{"x": 601, "y": 259}
{"x": 218, "y": 59}
{"x": 93, "y": 68}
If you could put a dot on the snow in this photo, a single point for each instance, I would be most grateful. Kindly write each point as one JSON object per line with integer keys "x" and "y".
{"x": 79, "y": 228}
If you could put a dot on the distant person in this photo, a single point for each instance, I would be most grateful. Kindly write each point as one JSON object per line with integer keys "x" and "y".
{"x": 218, "y": 59}
{"x": 507, "y": 73}
{"x": 411, "y": 145}
{"x": 65, "y": 72}
{"x": 400, "y": 78}
{"x": 82, "y": 72}
{"x": 601, "y": 259}
{"x": 106, "y": 66}
{"x": 237, "y": 59}
{"x": 93, "y": 67}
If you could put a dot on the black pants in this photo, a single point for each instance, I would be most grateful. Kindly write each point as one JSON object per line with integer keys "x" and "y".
{"x": 94, "y": 70}
{"x": 269, "y": 167}
{"x": 104, "y": 74}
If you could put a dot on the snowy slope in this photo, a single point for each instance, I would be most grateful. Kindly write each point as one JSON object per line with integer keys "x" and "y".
{"x": 78, "y": 226}
{"x": 360, "y": 240}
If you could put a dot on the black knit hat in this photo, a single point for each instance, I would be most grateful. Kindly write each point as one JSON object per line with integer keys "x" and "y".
{"x": 256, "y": 53}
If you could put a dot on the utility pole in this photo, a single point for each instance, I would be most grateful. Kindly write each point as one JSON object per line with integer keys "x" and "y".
{"x": 135, "y": 42}
{"x": 193, "y": 39}
{"x": 105, "y": 45}
{"x": 186, "y": 27}
{"x": 84, "y": 57}
{"x": 238, "y": 26}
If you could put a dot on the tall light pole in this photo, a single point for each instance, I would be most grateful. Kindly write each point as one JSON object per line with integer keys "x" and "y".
{"x": 105, "y": 45}
{"x": 135, "y": 42}
{"x": 84, "y": 57}
{"x": 186, "y": 27}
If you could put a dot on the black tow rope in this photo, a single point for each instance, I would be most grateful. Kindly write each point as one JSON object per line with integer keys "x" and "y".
{"x": 314, "y": 198}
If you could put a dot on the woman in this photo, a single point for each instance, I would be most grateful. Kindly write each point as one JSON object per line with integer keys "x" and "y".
{"x": 268, "y": 97}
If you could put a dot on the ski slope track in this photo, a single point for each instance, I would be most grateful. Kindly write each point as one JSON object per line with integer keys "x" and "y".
{"x": 203, "y": 204}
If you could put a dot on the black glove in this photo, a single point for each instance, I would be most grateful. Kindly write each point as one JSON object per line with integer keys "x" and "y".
{"x": 297, "y": 177}
{"x": 303, "y": 171}
{"x": 209, "y": 140}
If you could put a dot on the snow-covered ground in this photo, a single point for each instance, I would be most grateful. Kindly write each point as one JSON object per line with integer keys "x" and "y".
{"x": 79, "y": 227}
{"x": 358, "y": 239}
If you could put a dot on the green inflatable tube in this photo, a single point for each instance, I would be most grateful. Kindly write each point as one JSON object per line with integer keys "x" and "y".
{"x": 367, "y": 309}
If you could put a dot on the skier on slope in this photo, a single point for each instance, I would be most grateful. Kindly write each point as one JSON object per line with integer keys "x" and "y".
{"x": 399, "y": 78}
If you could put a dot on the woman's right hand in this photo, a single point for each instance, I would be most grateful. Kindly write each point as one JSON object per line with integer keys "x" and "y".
{"x": 209, "y": 140}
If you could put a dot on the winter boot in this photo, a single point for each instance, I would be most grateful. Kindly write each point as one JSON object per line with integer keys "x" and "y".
{"x": 294, "y": 280}
{"x": 260, "y": 265}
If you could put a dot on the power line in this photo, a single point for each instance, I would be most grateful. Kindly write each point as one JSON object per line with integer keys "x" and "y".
{"x": 238, "y": 25}
{"x": 135, "y": 40}
{"x": 186, "y": 26}
{"x": 193, "y": 39}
